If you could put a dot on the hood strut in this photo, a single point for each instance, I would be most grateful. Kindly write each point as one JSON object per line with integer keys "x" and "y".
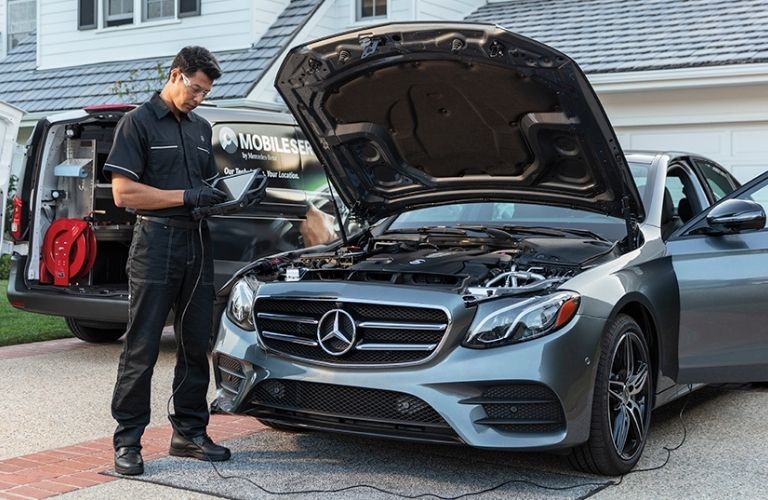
{"x": 633, "y": 231}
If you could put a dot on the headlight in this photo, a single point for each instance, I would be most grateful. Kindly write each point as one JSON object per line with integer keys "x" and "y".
{"x": 240, "y": 306}
{"x": 525, "y": 320}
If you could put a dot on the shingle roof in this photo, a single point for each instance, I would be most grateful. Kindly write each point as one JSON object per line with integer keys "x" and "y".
{"x": 605, "y": 36}
{"x": 133, "y": 81}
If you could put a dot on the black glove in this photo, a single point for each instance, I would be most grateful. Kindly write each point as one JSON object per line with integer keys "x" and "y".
{"x": 203, "y": 196}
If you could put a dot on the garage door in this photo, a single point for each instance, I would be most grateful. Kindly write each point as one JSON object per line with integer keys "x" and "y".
{"x": 742, "y": 148}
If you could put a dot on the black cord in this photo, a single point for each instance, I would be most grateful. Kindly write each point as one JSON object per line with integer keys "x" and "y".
{"x": 181, "y": 329}
{"x": 601, "y": 485}
{"x": 421, "y": 495}
{"x": 668, "y": 449}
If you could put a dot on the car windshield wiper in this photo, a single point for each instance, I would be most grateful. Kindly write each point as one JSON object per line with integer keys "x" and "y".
{"x": 459, "y": 230}
{"x": 554, "y": 231}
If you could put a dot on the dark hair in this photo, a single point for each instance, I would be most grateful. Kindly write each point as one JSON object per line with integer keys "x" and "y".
{"x": 191, "y": 59}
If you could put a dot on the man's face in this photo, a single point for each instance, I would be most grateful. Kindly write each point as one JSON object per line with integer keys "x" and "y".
{"x": 187, "y": 92}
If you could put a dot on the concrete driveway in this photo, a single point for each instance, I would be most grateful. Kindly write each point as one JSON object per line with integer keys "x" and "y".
{"x": 55, "y": 438}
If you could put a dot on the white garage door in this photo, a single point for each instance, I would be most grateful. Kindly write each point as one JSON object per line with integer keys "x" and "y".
{"x": 742, "y": 148}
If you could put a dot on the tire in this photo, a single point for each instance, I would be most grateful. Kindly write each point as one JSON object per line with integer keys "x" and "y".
{"x": 622, "y": 403}
{"x": 97, "y": 333}
{"x": 284, "y": 428}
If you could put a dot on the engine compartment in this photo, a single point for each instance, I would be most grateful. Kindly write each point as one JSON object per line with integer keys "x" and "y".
{"x": 474, "y": 267}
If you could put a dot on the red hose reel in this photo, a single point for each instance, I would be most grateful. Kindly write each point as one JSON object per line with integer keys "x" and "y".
{"x": 69, "y": 251}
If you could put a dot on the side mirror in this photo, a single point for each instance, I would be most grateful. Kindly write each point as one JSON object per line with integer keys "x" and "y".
{"x": 733, "y": 216}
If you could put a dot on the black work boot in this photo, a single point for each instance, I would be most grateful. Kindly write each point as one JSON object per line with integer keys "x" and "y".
{"x": 128, "y": 461}
{"x": 200, "y": 447}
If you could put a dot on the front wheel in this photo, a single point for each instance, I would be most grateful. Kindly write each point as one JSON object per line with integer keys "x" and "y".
{"x": 622, "y": 404}
{"x": 95, "y": 332}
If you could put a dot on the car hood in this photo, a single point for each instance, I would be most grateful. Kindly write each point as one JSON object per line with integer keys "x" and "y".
{"x": 418, "y": 114}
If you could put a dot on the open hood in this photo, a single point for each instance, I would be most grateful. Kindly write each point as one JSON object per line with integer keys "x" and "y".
{"x": 417, "y": 114}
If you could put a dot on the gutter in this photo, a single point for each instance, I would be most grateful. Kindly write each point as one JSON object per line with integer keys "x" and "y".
{"x": 680, "y": 78}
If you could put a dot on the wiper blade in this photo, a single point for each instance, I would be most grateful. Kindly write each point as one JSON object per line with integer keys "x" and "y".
{"x": 458, "y": 230}
{"x": 427, "y": 230}
{"x": 554, "y": 231}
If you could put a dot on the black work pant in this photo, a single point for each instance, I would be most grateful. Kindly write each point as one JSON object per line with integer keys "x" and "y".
{"x": 163, "y": 267}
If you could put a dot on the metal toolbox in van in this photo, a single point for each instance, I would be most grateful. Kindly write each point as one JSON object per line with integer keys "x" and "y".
{"x": 63, "y": 179}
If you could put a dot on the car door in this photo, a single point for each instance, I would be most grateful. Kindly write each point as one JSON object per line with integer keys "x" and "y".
{"x": 10, "y": 119}
{"x": 723, "y": 286}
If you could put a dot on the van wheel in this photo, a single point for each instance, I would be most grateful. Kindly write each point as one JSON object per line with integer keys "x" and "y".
{"x": 622, "y": 403}
{"x": 95, "y": 332}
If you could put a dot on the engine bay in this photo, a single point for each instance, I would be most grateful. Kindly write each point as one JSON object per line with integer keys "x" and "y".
{"x": 474, "y": 267}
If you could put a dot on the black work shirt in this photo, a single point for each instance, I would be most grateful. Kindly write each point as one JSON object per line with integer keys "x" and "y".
{"x": 152, "y": 147}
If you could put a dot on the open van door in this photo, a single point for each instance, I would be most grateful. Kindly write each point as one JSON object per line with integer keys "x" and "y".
{"x": 10, "y": 119}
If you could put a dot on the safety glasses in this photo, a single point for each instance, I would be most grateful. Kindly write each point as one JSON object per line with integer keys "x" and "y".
{"x": 194, "y": 88}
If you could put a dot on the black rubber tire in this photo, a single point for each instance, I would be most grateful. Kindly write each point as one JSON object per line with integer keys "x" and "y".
{"x": 94, "y": 332}
{"x": 284, "y": 428}
{"x": 599, "y": 454}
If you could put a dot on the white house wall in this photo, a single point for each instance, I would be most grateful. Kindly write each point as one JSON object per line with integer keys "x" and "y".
{"x": 3, "y": 28}
{"x": 728, "y": 124}
{"x": 222, "y": 25}
{"x": 446, "y": 10}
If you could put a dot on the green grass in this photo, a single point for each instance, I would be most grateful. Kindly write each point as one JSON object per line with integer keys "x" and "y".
{"x": 19, "y": 327}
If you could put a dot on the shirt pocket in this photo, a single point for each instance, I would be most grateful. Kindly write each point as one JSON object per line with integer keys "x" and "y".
{"x": 163, "y": 159}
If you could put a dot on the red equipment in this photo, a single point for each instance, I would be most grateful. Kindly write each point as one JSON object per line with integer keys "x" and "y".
{"x": 69, "y": 251}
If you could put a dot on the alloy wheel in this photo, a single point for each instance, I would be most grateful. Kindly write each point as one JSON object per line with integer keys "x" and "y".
{"x": 629, "y": 395}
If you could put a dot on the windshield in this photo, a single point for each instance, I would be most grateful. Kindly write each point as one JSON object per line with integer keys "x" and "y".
{"x": 506, "y": 214}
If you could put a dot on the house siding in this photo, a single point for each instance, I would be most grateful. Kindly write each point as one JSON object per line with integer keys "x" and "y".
{"x": 3, "y": 29}
{"x": 446, "y": 10}
{"x": 223, "y": 25}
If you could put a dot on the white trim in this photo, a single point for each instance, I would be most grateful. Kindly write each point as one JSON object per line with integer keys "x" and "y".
{"x": 174, "y": 146}
{"x": 708, "y": 76}
{"x": 203, "y": 150}
{"x": 135, "y": 26}
{"x": 133, "y": 174}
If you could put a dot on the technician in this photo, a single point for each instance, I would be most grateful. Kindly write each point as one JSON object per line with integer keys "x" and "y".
{"x": 159, "y": 159}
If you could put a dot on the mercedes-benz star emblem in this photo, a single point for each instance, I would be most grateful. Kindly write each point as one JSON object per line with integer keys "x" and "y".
{"x": 336, "y": 332}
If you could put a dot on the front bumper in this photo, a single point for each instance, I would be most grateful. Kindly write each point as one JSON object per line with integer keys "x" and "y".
{"x": 454, "y": 386}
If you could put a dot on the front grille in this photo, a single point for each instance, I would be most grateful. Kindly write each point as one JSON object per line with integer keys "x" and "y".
{"x": 348, "y": 409}
{"x": 231, "y": 374}
{"x": 385, "y": 333}
{"x": 526, "y": 408}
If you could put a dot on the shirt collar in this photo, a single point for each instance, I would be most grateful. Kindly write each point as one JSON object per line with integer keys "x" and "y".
{"x": 160, "y": 108}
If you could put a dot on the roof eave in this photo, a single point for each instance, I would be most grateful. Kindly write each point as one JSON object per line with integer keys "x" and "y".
{"x": 680, "y": 78}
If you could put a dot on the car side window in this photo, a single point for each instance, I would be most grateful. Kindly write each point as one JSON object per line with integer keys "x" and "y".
{"x": 684, "y": 189}
{"x": 719, "y": 181}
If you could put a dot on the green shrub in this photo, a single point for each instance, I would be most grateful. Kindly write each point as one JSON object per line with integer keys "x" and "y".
{"x": 5, "y": 267}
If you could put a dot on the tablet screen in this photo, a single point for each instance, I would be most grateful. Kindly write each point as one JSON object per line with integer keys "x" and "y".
{"x": 236, "y": 186}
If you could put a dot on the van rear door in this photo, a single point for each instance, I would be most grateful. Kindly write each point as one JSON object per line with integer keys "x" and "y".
{"x": 10, "y": 119}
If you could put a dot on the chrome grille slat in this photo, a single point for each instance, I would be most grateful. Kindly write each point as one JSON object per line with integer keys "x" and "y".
{"x": 402, "y": 326}
{"x": 395, "y": 347}
{"x": 385, "y": 333}
{"x": 289, "y": 338}
{"x": 287, "y": 317}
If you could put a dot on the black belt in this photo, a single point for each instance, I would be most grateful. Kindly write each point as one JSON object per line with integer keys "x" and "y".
{"x": 170, "y": 221}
